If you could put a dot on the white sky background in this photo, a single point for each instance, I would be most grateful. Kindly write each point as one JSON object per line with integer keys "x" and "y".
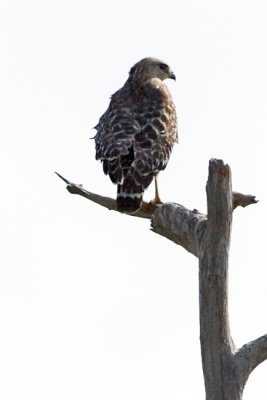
{"x": 92, "y": 304}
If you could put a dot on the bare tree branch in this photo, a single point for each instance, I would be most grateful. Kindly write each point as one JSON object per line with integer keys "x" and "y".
{"x": 243, "y": 200}
{"x": 250, "y": 356}
{"x": 207, "y": 237}
{"x": 146, "y": 211}
{"x": 182, "y": 226}
{"x": 182, "y": 223}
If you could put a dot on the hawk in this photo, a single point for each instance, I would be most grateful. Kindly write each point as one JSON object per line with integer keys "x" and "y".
{"x": 136, "y": 134}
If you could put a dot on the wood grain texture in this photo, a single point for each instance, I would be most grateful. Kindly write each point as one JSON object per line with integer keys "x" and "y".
{"x": 226, "y": 369}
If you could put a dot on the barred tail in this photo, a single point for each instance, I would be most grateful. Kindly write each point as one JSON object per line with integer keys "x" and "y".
{"x": 128, "y": 201}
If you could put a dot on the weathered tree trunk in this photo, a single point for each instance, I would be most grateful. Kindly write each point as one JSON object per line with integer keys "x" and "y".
{"x": 217, "y": 348}
{"x": 225, "y": 368}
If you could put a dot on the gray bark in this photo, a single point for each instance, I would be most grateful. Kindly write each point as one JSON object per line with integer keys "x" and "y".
{"x": 225, "y": 368}
{"x": 217, "y": 348}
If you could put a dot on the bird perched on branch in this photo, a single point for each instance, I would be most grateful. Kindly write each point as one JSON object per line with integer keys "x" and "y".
{"x": 136, "y": 134}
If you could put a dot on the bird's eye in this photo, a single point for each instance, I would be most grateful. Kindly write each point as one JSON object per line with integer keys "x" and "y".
{"x": 163, "y": 66}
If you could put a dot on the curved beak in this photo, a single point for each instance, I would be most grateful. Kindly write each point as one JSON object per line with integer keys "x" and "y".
{"x": 172, "y": 76}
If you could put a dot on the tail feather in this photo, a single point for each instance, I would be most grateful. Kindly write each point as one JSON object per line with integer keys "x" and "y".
{"x": 130, "y": 193}
{"x": 128, "y": 202}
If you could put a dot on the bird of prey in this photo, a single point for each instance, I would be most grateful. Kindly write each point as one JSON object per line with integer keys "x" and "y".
{"x": 136, "y": 134}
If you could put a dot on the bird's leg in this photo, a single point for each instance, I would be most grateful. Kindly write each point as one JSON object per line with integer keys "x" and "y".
{"x": 157, "y": 199}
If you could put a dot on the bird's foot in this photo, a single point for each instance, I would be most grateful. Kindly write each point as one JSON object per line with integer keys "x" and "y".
{"x": 156, "y": 201}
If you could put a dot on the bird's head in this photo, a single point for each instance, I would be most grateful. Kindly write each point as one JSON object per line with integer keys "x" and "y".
{"x": 149, "y": 68}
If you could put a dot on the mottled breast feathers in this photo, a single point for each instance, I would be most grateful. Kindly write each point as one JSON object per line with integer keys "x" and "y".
{"x": 136, "y": 134}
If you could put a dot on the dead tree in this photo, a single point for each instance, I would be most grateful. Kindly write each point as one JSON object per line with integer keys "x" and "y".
{"x": 225, "y": 368}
